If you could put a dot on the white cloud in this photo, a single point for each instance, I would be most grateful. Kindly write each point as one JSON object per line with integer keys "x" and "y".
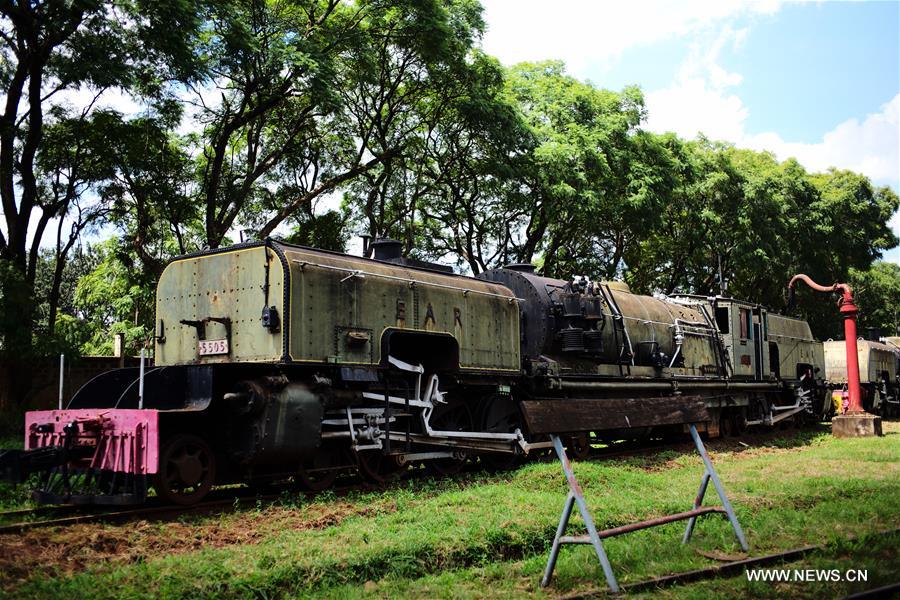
{"x": 115, "y": 99}
{"x": 699, "y": 99}
{"x": 587, "y": 33}
{"x": 692, "y": 106}
{"x": 870, "y": 146}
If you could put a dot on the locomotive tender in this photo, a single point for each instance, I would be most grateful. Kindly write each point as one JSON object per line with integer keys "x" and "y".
{"x": 274, "y": 360}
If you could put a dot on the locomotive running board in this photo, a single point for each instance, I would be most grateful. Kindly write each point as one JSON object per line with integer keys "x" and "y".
{"x": 571, "y": 415}
{"x": 463, "y": 443}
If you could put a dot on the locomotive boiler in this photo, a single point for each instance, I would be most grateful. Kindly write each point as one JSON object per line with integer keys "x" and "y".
{"x": 276, "y": 361}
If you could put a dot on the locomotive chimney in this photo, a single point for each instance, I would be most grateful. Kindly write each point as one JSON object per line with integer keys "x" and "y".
{"x": 386, "y": 249}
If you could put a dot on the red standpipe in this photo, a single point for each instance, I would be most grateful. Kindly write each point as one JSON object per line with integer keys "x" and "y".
{"x": 848, "y": 310}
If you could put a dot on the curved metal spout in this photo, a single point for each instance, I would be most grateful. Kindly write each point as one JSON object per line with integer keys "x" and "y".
{"x": 844, "y": 289}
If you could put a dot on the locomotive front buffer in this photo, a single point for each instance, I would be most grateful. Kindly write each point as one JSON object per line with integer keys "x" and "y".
{"x": 87, "y": 456}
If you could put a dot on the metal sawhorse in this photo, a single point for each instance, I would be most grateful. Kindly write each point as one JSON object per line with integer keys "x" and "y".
{"x": 593, "y": 537}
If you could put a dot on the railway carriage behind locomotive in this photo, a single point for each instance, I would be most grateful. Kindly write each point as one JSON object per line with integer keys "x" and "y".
{"x": 879, "y": 374}
{"x": 273, "y": 360}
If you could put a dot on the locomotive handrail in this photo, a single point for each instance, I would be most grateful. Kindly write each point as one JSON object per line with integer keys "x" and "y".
{"x": 408, "y": 280}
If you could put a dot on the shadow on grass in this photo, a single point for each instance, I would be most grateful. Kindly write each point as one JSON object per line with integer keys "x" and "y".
{"x": 654, "y": 453}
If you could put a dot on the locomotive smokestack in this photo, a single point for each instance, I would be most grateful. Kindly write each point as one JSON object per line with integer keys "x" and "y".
{"x": 386, "y": 249}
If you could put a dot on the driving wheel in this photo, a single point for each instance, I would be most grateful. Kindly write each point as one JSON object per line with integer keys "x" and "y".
{"x": 579, "y": 446}
{"x": 187, "y": 470}
{"x": 319, "y": 472}
{"x": 454, "y": 416}
{"x": 377, "y": 467}
{"x": 501, "y": 415}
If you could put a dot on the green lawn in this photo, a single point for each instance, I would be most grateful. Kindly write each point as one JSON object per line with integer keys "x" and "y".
{"x": 488, "y": 536}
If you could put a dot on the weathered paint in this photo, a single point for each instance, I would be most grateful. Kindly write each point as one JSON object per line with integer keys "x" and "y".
{"x": 336, "y": 310}
{"x": 876, "y": 361}
{"x": 650, "y": 319}
{"x": 342, "y": 306}
{"x": 796, "y": 345}
{"x": 228, "y": 284}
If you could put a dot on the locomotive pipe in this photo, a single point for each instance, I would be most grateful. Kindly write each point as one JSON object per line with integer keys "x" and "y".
{"x": 848, "y": 310}
{"x": 651, "y": 385}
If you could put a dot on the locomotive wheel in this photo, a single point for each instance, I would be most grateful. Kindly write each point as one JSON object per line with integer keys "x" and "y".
{"x": 377, "y": 467}
{"x": 726, "y": 424}
{"x": 501, "y": 415}
{"x": 454, "y": 416}
{"x": 318, "y": 473}
{"x": 187, "y": 470}
{"x": 579, "y": 446}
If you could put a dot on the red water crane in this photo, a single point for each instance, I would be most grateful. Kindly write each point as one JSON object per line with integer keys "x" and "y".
{"x": 848, "y": 310}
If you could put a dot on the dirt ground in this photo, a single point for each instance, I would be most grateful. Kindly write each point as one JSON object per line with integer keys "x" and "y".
{"x": 71, "y": 549}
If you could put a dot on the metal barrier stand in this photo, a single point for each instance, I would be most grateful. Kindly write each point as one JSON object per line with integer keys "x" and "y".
{"x": 594, "y": 538}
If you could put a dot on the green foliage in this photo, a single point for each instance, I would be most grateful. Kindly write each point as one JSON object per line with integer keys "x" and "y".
{"x": 762, "y": 221}
{"x": 877, "y": 292}
{"x": 71, "y": 330}
{"x": 113, "y": 299}
{"x": 591, "y": 188}
{"x": 325, "y": 231}
{"x": 15, "y": 299}
{"x": 394, "y": 108}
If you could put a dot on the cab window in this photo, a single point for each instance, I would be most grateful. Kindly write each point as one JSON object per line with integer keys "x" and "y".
{"x": 745, "y": 323}
{"x": 722, "y": 318}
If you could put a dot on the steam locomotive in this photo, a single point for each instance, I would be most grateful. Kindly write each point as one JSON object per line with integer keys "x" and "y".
{"x": 274, "y": 361}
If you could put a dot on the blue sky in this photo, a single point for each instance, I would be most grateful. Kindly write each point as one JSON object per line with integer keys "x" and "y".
{"x": 817, "y": 81}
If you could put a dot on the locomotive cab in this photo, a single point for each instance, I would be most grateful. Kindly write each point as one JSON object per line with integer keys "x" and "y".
{"x": 742, "y": 326}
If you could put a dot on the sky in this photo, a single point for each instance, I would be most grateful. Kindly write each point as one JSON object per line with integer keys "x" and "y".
{"x": 817, "y": 81}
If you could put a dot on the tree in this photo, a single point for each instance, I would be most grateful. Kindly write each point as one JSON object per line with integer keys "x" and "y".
{"x": 147, "y": 188}
{"x": 473, "y": 156}
{"x": 113, "y": 298}
{"x": 594, "y": 181}
{"x": 269, "y": 107}
{"x": 404, "y": 84}
{"x": 877, "y": 292}
{"x": 760, "y": 221}
{"x": 70, "y": 331}
{"x": 47, "y": 47}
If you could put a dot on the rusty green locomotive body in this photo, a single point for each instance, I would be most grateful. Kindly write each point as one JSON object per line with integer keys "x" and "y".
{"x": 328, "y": 309}
{"x": 273, "y": 360}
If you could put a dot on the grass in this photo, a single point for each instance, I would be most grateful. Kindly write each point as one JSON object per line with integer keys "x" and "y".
{"x": 488, "y": 536}
{"x": 12, "y": 496}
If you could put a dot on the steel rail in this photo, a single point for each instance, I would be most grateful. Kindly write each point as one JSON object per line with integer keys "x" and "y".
{"x": 94, "y": 514}
{"x": 724, "y": 569}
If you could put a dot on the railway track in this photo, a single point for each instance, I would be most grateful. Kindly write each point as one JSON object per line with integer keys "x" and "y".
{"x": 223, "y": 500}
{"x": 731, "y": 568}
{"x": 141, "y": 512}
{"x": 18, "y": 521}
